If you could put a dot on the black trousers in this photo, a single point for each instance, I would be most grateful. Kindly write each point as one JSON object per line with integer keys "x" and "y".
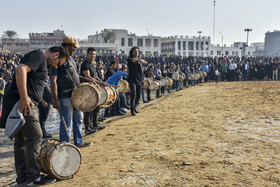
{"x": 135, "y": 89}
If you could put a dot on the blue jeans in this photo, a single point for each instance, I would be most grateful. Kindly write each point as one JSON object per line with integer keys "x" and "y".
{"x": 72, "y": 117}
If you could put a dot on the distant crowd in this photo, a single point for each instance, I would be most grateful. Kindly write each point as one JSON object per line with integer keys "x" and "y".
{"x": 230, "y": 68}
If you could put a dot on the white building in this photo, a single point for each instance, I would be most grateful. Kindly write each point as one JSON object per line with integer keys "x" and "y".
{"x": 122, "y": 42}
{"x": 186, "y": 45}
{"x": 237, "y": 49}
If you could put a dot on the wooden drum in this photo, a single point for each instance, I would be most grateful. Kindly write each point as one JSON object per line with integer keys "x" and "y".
{"x": 147, "y": 84}
{"x": 61, "y": 160}
{"x": 86, "y": 97}
{"x": 109, "y": 96}
{"x": 123, "y": 86}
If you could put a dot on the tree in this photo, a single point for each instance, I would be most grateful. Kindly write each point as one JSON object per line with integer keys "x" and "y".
{"x": 106, "y": 34}
{"x": 9, "y": 35}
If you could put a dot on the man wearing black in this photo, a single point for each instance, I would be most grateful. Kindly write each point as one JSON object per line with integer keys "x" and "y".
{"x": 64, "y": 79}
{"x": 135, "y": 77}
{"x": 88, "y": 70}
{"x": 27, "y": 88}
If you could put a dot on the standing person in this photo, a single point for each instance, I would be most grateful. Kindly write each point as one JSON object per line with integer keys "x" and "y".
{"x": 27, "y": 87}
{"x": 135, "y": 77}
{"x": 88, "y": 70}
{"x": 63, "y": 81}
{"x": 2, "y": 88}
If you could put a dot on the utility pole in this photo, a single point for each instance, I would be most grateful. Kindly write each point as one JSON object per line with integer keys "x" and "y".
{"x": 214, "y": 21}
{"x": 222, "y": 44}
{"x": 247, "y": 30}
{"x": 199, "y": 45}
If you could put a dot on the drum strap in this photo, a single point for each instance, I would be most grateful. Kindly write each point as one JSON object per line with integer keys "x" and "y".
{"x": 75, "y": 86}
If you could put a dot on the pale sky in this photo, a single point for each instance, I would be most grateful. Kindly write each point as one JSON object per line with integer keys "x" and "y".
{"x": 80, "y": 18}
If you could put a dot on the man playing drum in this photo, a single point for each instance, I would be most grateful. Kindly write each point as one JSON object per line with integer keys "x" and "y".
{"x": 88, "y": 70}
{"x": 63, "y": 81}
{"x": 27, "y": 88}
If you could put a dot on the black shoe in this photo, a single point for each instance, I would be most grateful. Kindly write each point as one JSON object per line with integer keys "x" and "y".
{"x": 136, "y": 111}
{"x": 145, "y": 101}
{"x": 133, "y": 113}
{"x": 90, "y": 131}
{"x": 42, "y": 180}
{"x": 150, "y": 99}
{"x": 21, "y": 180}
{"x": 85, "y": 144}
{"x": 98, "y": 128}
{"x": 46, "y": 135}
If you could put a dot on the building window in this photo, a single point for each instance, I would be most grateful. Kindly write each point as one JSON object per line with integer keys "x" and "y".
{"x": 212, "y": 53}
{"x": 249, "y": 53}
{"x": 227, "y": 53}
{"x": 155, "y": 53}
{"x": 140, "y": 42}
{"x": 233, "y": 53}
{"x": 219, "y": 52}
{"x": 148, "y": 42}
{"x": 191, "y": 45}
{"x": 184, "y": 45}
{"x": 155, "y": 42}
{"x": 197, "y": 46}
{"x": 179, "y": 45}
{"x": 236, "y": 53}
{"x": 123, "y": 42}
{"x": 130, "y": 42}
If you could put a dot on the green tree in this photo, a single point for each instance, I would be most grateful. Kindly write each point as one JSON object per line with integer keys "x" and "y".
{"x": 106, "y": 34}
{"x": 9, "y": 35}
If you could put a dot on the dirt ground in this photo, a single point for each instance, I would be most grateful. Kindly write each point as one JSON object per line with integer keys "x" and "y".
{"x": 225, "y": 134}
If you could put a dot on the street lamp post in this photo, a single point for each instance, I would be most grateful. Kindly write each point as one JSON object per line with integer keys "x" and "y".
{"x": 222, "y": 44}
{"x": 199, "y": 45}
{"x": 247, "y": 30}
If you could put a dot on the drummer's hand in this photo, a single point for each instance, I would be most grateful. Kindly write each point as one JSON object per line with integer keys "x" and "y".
{"x": 104, "y": 84}
{"x": 24, "y": 105}
{"x": 56, "y": 104}
{"x": 44, "y": 103}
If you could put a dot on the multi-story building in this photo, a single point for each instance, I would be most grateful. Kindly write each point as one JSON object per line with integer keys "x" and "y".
{"x": 186, "y": 45}
{"x": 272, "y": 43}
{"x": 237, "y": 49}
{"x": 121, "y": 42}
{"x": 44, "y": 41}
{"x": 18, "y": 45}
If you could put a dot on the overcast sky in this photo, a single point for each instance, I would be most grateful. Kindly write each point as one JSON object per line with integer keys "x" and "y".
{"x": 80, "y": 18}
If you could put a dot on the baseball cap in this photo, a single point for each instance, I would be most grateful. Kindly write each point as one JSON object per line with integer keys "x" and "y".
{"x": 70, "y": 40}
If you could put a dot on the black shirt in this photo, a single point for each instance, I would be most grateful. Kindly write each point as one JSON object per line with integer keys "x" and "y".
{"x": 86, "y": 65}
{"x": 135, "y": 71}
{"x": 36, "y": 60}
{"x": 67, "y": 78}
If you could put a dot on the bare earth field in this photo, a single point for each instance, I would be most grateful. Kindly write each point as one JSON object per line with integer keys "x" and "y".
{"x": 225, "y": 134}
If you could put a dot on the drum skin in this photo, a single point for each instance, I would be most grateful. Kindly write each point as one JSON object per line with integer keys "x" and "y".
{"x": 169, "y": 82}
{"x": 175, "y": 76}
{"x": 86, "y": 97}
{"x": 123, "y": 86}
{"x": 163, "y": 82}
{"x": 61, "y": 160}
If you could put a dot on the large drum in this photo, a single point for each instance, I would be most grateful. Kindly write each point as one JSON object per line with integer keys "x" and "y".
{"x": 182, "y": 77}
{"x": 86, "y": 97}
{"x": 163, "y": 82}
{"x": 147, "y": 84}
{"x": 197, "y": 76}
{"x": 204, "y": 74}
{"x": 155, "y": 85}
{"x": 109, "y": 96}
{"x": 61, "y": 160}
{"x": 169, "y": 81}
{"x": 123, "y": 86}
{"x": 175, "y": 76}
